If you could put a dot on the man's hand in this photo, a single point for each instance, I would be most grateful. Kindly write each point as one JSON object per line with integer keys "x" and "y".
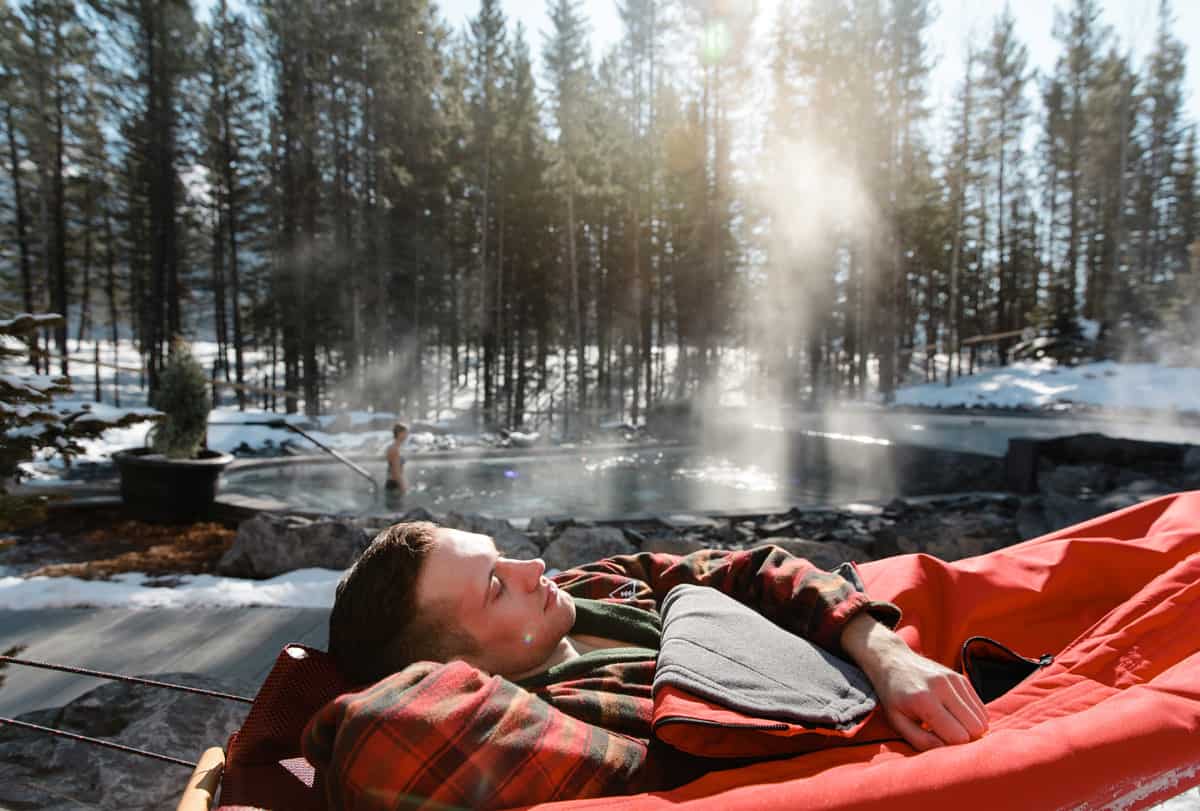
{"x": 927, "y": 703}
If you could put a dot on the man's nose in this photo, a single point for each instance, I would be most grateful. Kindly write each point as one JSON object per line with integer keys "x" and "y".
{"x": 528, "y": 572}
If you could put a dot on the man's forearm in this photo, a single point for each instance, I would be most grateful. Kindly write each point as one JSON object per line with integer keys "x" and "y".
{"x": 928, "y": 704}
{"x": 872, "y": 645}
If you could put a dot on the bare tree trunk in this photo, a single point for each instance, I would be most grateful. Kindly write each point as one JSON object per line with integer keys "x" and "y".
{"x": 576, "y": 304}
{"x": 499, "y": 327}
{"x": 218, "y": 283}
{"x": 1110, "y": 308}
{"x": 110, "y": 261}
{"x": 85, "y": 294}
{"x": 518, "y": 416}
{"x": 486, "y": 318}
{"x": 953, "y": 327}
{"x": 22, "y": 232}
{"x": 59, "y": 253}
{"x": 1065, "y": 308}
{"x": 235, "y": 284}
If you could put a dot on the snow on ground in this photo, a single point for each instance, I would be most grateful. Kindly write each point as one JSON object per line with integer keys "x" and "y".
{"x": 303, "y": 588}
{"x": 1043, "y": 383}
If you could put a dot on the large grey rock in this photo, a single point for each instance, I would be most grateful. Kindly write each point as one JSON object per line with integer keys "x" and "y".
{"x": 1120, "y": 499}
{"x": 957, "y": 547}
{"x": 822, "y": 554}
{"x": 419, "y": 514}
{"x": 1072, "y": 480}
{"x": 1064, "y": 511}
{"x": 580, "y": 545}
{"x": 954, "y": 535}
{"x": 40, "y": 771}
{"x": 856, "y": 534}
{"x": 1191, "y": 459}
{"x": 1031, "y": 519}
{"x": 1143, "y": 488}
{"x": 511, "y": 542}
{"x": 269, "y": 545}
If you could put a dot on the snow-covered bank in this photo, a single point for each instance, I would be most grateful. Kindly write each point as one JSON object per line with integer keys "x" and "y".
{"x": 304, "y": 588}
{"x": 1044, "y": 384}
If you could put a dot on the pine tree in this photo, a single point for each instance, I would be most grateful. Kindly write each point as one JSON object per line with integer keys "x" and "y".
{"x": 233, "y": 121}
{"x": 488, "y": 44}
{"x": 568, "y": 74}
{"x": 51, "y": 59}
{"x": 1162, "y": 249}
{"x": 12, "y": 103}
{"x": 1082, "y": 37}
{"x": 159, "y": 39}
{"x": 1112, "y": 115}
{"x": 958, "y": 169}
{"x": 524, "y": 278}
{"x": 1002, "y": 91}
{"x": 909, "y": 183}
{"x": 646, "y": 23}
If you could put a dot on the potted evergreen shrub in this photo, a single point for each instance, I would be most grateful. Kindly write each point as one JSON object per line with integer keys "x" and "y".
{"x": 174, "y": 480}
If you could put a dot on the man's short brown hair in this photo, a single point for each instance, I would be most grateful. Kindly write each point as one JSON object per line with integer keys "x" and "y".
{"x": 375, "y": 628}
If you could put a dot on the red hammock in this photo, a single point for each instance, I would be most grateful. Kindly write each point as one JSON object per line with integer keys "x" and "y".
{"x": 1114, "y": 722}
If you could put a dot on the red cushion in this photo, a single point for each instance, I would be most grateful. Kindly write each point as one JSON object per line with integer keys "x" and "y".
{"x": 263, "y": 764}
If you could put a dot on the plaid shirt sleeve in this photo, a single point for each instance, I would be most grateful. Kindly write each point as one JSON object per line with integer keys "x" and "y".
{"x": 786, "y": 589}
{"x": 449, "y": 735}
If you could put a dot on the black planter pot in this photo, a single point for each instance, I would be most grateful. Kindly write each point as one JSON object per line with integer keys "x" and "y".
{"x": 169, "y": 491}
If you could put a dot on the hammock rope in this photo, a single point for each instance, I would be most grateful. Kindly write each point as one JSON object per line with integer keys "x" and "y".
{"x": 97, "y": 741}
{"x": 100, "y": 674}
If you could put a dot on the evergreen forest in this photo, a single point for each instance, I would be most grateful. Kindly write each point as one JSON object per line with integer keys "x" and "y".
{"x": 365, "y": 207}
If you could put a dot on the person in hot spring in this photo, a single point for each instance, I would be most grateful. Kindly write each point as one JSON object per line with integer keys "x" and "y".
{"x": 396, "y": 485}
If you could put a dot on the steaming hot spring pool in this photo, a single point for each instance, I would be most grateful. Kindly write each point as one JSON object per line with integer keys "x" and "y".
{"x": 585, "y": 483}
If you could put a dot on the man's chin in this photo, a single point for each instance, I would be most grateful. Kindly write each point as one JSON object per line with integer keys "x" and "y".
{"x": 569, "y": 609}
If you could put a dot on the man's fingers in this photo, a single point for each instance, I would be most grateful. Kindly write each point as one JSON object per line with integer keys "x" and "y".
{"x": 920, "y": 739}
{"x": 976, "y": 720}
{"x": 943, "y": 723}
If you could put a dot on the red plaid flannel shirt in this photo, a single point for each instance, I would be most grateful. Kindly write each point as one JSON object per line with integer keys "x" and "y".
{"x": 450, "y": 735}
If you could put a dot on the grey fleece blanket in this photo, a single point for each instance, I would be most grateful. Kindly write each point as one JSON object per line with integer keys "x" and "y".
{"x": 724, "y": 652}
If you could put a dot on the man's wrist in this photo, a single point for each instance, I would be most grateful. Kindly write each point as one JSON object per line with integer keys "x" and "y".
{"x": 871, "y": 644}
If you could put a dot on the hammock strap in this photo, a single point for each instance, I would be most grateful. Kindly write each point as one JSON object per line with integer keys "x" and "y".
{"x": 97, "y": 741}
{"x": 100, "y": 674}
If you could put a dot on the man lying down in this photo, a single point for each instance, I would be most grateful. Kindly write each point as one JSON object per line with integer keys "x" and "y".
{"x": 491, "y": 685}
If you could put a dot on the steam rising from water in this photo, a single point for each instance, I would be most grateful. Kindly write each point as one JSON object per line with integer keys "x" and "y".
{"x": 820, "y": 223}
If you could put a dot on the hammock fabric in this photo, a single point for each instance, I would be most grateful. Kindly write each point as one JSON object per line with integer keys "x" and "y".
{"x": 1114, "y": 722}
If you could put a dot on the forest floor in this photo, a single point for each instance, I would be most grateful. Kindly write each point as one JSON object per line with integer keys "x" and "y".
{"x": 99, "y": 543}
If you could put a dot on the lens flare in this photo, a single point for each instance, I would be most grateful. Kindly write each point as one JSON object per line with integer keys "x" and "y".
{"x": 528, "y": 638}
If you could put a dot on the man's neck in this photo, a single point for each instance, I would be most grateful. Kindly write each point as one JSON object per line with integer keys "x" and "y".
{"x": 565, "y": 651}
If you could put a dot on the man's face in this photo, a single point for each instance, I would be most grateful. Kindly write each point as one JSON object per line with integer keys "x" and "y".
{"x": 516, "y": 616}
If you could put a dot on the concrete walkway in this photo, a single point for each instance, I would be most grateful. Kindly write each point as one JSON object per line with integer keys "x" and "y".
{"x": 236, "y": 645}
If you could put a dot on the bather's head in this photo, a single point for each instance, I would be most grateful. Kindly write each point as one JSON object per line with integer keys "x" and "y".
{"x": 422, "y": 592}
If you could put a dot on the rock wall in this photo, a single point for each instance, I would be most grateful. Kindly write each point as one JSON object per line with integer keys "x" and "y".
{"x": 40, "y": 771}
